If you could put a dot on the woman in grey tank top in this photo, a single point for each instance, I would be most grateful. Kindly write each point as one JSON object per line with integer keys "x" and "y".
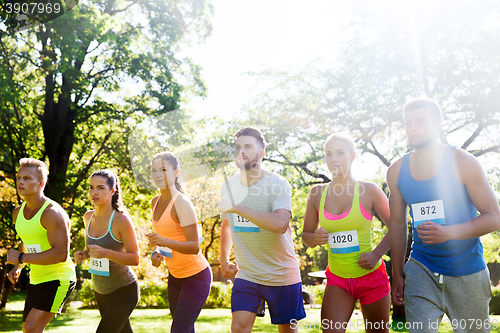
{"x": 112, "y": 248}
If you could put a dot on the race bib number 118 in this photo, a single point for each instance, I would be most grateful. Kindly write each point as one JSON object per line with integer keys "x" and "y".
{"x": 241, "y": 224}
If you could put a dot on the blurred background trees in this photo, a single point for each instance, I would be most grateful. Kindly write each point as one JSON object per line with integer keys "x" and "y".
{"x": 72, "y": 90}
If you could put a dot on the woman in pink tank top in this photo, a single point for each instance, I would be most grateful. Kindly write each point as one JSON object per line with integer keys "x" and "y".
{"x": 176, "y": 242}
{"x": 343, "y": 209}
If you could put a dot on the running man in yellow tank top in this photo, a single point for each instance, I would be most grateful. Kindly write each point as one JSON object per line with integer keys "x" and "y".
{"x": 43, "y": 227}
{"x": 344, "y": 210}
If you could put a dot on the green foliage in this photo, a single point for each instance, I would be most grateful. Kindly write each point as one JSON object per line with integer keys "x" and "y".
{"x": 495, "y": 301}
{"x": 153, "y": 295}
{"x": 387, "y": 54}
{"x": 316, "y": 292}
{"x": 491, "y": 246}
{"x": 219, "y": 297}
{"x": 86, "y": 295}
{"x": 65, "y": 98}
{"x": 385, "y": 58}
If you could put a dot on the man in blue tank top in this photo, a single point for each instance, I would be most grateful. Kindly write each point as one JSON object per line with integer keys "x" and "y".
{"x": 444, "y": 187}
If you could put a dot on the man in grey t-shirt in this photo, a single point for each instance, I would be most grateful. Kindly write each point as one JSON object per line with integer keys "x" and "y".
{"x": 255, "y": 209}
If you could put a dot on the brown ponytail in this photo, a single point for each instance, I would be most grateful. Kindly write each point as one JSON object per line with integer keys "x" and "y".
{"x": 113, "y": 182}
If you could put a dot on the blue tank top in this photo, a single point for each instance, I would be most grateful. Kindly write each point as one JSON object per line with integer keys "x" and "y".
{"x": 441, "y": 199}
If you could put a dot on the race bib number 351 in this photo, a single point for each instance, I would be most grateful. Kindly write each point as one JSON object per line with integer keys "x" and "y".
{"x": 99, "y": 266}
{"x": 343, "y": 242}
{"x": 428, "y": 211}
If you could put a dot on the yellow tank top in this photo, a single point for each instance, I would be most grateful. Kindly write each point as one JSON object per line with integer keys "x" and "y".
{"x": 349, "y": 236}
{"x": 34, "y": 237}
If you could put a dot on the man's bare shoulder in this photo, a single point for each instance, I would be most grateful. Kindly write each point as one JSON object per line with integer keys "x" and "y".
{"x": 468, "y": 167}
{"x": 15, "y": 212}
{"x": 54, "y": 213}
{"x": 461, "y": 156}
{"x": 393, "y": 171}
{"x": 395, "y": 167}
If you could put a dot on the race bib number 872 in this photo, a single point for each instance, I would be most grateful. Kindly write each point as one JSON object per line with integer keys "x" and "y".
{"x": 428, "y": 211}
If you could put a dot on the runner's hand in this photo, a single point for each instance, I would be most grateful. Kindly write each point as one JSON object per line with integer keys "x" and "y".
{"x": 397, "y": 290}
{"x": 225, "y": 206}
{"x": 13, "y": 275}
{"x": 156, "y": 240}
{"x": 157, "y": 259}
{"x": 321, "y": 236}
{"x": 97, "y": 252}
{"x": 228, "y": 269}
{"x": 432, "y": 232}
{"x": 13, "y": 257}
{"x": 368, "y": 261}
{"x": 80, "y": 256}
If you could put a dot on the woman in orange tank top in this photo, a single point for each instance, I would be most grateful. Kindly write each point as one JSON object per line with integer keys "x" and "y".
{"x": 176, "y": 241}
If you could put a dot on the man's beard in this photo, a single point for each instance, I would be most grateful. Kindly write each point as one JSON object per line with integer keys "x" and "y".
{"x": 248, "y": 164}
{"x": 420, "y": 144}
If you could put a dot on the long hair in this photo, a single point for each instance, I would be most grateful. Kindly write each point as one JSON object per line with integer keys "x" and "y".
{"x": 176, "y": 165}
{"x": 113, "y": 182}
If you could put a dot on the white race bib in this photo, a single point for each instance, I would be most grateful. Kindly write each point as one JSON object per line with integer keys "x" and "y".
{"x": 200, "y": 233}
{"x": 99, "y": 266}
{"x": 34, "y": 248}
{"x": 428, "y": 211}
{"x": 241, "y": 224}
{"x": 343, "y": 242}
{"x": 165, "y": 251}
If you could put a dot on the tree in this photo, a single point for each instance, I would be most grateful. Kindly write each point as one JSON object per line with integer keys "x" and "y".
{"x": 389, "y": 53}
{"x": 69, "y": 96}
{"x": 451, "y": 56}
{"x": 56, "y": 74}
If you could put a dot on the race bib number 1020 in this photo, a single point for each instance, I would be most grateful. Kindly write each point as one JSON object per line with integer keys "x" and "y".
{"x": 343, "y": 242}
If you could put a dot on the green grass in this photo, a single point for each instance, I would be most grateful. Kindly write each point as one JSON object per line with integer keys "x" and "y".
{"x": 159, "y": 320}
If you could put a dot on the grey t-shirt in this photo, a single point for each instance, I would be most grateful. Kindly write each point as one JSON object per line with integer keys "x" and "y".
{"x": 263, "y": 257}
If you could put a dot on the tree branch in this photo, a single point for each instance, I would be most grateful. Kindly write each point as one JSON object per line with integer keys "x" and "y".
{"x": 303, "y": 166}
{"x": 492, "y": 149}
{"x": 378, "y": 154}
{"x": 112, "y": 12}
{"x": 473, "y": 136}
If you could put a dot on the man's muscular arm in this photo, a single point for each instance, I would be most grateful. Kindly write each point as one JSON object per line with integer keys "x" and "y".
{"x": 55, "y": 220}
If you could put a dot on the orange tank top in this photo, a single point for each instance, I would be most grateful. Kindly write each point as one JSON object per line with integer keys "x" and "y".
{"x": 180, "y": 265}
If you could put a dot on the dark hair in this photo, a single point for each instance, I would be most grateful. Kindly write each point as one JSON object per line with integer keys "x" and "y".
{"x": 176, "y": 165}
{"x": 421, "y": 103}
{"x": 113, "y": 182}
{"x": 252, "y": 131}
